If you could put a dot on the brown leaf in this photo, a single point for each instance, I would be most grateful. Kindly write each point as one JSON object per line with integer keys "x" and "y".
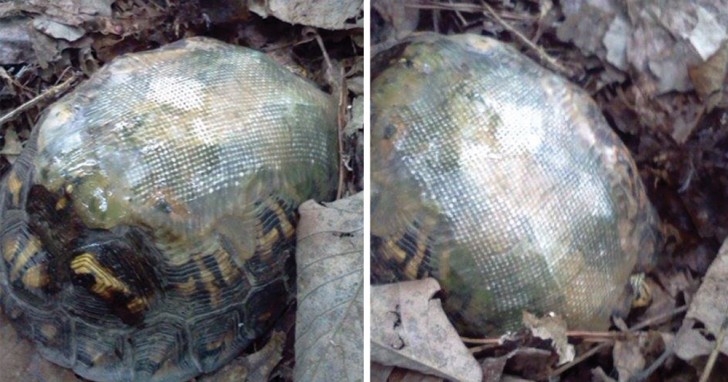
{"x": 708, "y": 77}
{"x": 551, "y": 328}
{"x": 410, "y": 329}
{"x": 493, "y": 368}
{"x": 628, "y": 359}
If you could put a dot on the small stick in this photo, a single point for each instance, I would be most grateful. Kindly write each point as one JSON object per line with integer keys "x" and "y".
{"x": 50, "y": 92}
{"x": 716, "y": 349}
{"x": 581, "y": 358}
{"x": 540, "y": 51}
{"x": 341, "y": 120}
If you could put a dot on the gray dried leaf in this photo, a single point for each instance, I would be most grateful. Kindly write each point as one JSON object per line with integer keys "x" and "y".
{"x": 710, "y": 303}
{"x": 58, "y": 30}
{"x": 329, "y": 319}
{"x": 615, "y": 41}
{"x": 327, "y": 14}
{"x": 13, "y": 146}
{"x": 409, "y": 329}
{"x": 692, "y": 342}
{"x": 708, "y": 34}
{"x": 16, "y": 46}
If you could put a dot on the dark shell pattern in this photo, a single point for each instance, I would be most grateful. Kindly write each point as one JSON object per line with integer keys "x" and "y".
{"x": 503, "y": 181}
{"x": 147, "y": 226}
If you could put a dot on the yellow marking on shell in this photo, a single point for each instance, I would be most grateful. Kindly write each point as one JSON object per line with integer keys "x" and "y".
{"x": 69, "y": 188}
{"x": 188, "y": 287}
{"x": 269, "y": 239}
{"x": 208, "y": 279}
{"x": 224, "y": 340}
{"x": 10, "y": 248}
{"x": 14, "y": 185}
{"x": 86, "y": 263}
{"x": 62, "y": 203}
{"x": 285, "y": 224}
{"x": 105, "y": 282}
{"x": 227, "y": 267}
{"x": 31, "y": 248}
{"x": 49, "y": 331}
{"x": 416, "y": 261}
{"x": 36, "y": 276}
{"x": 136, "y": 305}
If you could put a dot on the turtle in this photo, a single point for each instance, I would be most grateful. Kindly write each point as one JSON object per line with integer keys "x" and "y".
{"x": 503, "y": 181}
{"x": 146, "y": 228}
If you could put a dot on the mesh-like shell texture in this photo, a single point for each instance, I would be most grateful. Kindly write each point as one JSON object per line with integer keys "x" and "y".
{"x": 505, "y": 183}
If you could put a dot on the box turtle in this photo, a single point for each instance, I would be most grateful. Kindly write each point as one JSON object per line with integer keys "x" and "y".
{"x": 146, "y": 227}
{"x": 503, "y": 181}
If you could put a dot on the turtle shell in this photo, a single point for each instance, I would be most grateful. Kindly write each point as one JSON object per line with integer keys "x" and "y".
{"x": 146, "y": 227}
{"x": 503, "y": 181}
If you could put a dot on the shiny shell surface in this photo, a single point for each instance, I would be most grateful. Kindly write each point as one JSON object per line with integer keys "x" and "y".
{"x": 504, "y": 182}
{"x": 146, "y": 229}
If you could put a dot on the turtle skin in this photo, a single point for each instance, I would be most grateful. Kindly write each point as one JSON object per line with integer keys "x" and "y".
{"x": 504, "y": 182}
{"x": 147, "y": 226}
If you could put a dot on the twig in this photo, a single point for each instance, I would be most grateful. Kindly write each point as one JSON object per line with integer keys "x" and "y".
{"x": 581, "y": 358}
{"x": 341, "y": 120}
{"x": 716, "y": 349}
{"x": 661, "y": 317}
{"x": 341, "y": 112}
{"x": 320, "y": 42}
{"x": 50, "y": 92}
{"x": 646, "y": 373}
{"x": 545, "y": 57}
{"x": 481, "y": 341}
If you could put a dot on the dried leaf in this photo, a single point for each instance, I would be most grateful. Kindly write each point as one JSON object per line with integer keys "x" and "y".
{"x": 708, "y": 77}
{"x": 409, "y": 329}
{"x": 58, "y": 30}
{"x": 16, "y": 46}
{"x": 252, "y": 367}
{"x": 710, "y": 303}
{"x": 401, "y": 19}
{"x": 628, "y": 359}
{"x": 692, "y": 342}
{"x": 405, "y": 375}
{"x": 708, "y": 34}
{"x": 329, "y": 326}
{"x": 615, "y": 40}
{"x": 13, "y": 146}
{"x": 379, "y": 372}
{"x": 493, "y": 368}
{"x": 327, "y": 14}
{"x": 551, "y": 328}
